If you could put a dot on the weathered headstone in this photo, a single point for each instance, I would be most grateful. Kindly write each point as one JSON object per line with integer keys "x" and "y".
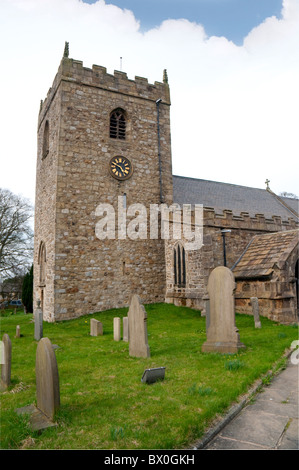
{"x": 47, "y": 378}
{"x": 126, "y": 335}
{"x": 96, "y": 327}
{"x": 255, "y": 310}
{"x": 222, "y": 334}
{"x": 38, "y": 322}
{"x": 5, "y": 361}
{"x": 116, "y": 329}
{"x": 18, "y": 331}
{"x": 138, "y": 345}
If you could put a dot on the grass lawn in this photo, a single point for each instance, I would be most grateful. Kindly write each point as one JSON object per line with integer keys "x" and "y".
{"x": 104, "y": 405}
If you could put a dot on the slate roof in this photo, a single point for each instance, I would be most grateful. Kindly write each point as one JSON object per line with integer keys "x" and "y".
{"x": 221, "y": 196}
{"x": 293, "y": 203}
{"x": 264, "y": 252}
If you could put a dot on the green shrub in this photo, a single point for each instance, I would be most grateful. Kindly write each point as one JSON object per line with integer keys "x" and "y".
{"x": 27, "y": 291}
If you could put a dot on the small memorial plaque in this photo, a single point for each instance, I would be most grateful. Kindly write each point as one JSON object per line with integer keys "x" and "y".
{"x": 152, "y": 375}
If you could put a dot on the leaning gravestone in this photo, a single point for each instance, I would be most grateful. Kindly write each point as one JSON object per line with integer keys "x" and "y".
{"x": 96, "y": 327}
{"x": 5, "y": 361}
{"x": 47, "y": 379}
{"x": 222, "y": 334}
{"x": 38, "y": 322}
{"x": 255, "y": 310}
{"x": 138, "y": 345}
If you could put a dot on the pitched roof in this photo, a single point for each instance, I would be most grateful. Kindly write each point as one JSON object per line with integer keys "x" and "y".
{"x": 292, "y": 203}
{"x": 238, "y": 199}
{"x": 264, "y": 252}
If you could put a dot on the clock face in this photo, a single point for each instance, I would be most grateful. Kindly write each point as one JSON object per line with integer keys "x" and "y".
{"x": 121, "y": 168}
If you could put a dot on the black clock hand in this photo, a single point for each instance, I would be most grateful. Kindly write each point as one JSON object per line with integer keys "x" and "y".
{"x": 121, "y": 168}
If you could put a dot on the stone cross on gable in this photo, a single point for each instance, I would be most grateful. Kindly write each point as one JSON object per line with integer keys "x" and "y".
{"x": 267, "y": 183}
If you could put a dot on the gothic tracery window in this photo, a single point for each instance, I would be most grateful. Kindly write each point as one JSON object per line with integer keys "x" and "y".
{"x": 179, "y": 266}
{"x": 118, "y": 124}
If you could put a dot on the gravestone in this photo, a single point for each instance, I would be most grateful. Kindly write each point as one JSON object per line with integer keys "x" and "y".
{"x": 18, "y": 331}
{"x": 125, "y": 329}
{"x": 116, "y": 329}
{"x": 222, "y": 334}
{"x": 47, "y": 379}
{"x": 255, "y": 310}
{"x": 96, "y": 327}
{"x": 151, "y": 376}
{"x": 138, "y": 345}
{"x": 38, "y": 322}
{"x": 5, "y": 361}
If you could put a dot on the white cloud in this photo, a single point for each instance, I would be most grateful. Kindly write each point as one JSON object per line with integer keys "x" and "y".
{"x": 234, "y": 109}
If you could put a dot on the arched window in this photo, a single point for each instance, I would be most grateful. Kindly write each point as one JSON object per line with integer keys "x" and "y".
{"x": 46, "y": 140}
{"x": 42, "y": 263}
{"x": 179, "y": 266}
{"x": 118, "y": 124}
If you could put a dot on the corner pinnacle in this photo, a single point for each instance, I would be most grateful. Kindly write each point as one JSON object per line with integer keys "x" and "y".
{"x": 66, "y": 49}
{"x": 165, "y": 77}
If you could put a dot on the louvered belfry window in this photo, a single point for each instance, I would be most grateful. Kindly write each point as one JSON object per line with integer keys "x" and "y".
{"x": 118, "y": 124}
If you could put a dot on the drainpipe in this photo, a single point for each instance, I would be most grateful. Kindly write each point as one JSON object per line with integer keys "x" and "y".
{"x": 159, "y": 148}
{"x": 223, "y": 232}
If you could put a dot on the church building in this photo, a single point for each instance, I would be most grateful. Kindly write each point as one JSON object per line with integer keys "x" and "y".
{"x": 104, "y": 154}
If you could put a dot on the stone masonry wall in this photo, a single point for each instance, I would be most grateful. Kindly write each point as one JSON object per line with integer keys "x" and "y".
{"x": 200, "y": 263}
{"x": 45, "y": 205}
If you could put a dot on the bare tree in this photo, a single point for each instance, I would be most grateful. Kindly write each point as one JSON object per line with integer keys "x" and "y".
{"x": 290, "y": 195}
{"x": 16, "y": 235}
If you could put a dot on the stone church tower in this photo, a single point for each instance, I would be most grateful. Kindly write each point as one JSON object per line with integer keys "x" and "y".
{"x": 102, "y": 139}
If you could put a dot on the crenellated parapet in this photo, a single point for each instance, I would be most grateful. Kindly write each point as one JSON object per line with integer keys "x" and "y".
{"x": 71, "y": 70}
{"x": 227, "y": 219}
{"x": 244, "y": 221}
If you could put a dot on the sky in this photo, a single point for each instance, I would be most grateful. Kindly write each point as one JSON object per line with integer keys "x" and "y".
{"x": 233, "y": 70}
